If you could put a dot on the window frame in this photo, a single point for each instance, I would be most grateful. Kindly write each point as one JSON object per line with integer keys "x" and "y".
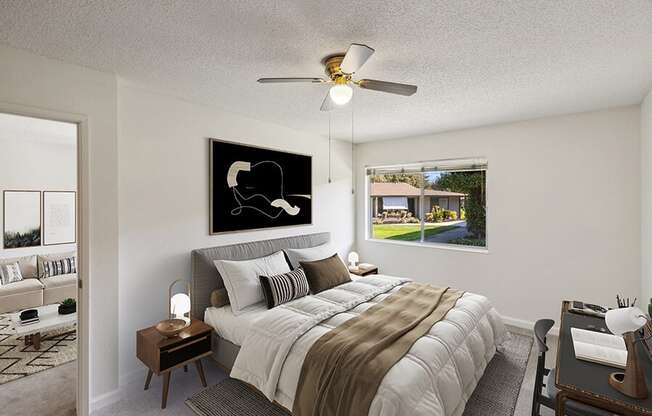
{"x": 368, "y": 208}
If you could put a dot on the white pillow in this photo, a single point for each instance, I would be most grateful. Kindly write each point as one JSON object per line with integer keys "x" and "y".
{"x": 309, "y": 254}
{"x": 241, "y": 278}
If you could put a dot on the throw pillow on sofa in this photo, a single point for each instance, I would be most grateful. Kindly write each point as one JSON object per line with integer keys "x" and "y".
{"x": 58, "y": 267}
{"x": 10, "y": 273}
{"x": 44, "y": 258}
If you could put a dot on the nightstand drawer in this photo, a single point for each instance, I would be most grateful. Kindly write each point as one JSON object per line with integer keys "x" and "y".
{"x": 188, "y": 349}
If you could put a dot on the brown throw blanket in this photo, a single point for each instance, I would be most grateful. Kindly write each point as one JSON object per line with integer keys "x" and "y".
{"x": 343, "y": 368}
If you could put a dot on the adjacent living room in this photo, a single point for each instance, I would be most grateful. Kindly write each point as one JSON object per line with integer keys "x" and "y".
{"x": 38, "y": 264}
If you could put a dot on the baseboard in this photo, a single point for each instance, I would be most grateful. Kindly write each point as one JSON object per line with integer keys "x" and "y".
{"x": 104, "y": 400}
{"x": 526, "y": 325}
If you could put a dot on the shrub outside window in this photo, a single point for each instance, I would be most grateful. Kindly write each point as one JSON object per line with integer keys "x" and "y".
{"x": 436, "y": 202}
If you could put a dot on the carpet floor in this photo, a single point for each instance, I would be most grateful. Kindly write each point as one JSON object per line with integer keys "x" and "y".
{"x": 18, "y": 361}
{"x": 496, "y": 393}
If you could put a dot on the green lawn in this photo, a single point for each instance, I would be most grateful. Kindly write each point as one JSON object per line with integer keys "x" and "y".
{"x": 407, "y": 232}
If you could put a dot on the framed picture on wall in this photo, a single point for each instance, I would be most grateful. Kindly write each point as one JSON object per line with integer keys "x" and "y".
{"x": 59, "y": 217}
{"x": 254, "y": 187}
{"x": 21, "y": 219}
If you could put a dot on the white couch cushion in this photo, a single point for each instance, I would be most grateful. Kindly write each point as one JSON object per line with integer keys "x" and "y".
{"x": 24, "y": 286}
{"x": 59, "y": 281}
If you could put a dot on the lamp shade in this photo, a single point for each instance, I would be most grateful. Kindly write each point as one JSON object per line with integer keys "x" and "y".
{"x": 180, "y": 304}
{"x": 353, "y": 258}
{"x": 623, "y": 320}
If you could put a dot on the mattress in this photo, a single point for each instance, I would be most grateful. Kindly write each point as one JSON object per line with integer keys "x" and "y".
{"x": 231, "y": 327}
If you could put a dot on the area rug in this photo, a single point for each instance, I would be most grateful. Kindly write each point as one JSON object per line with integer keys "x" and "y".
{"x": 18, "y": 361}
{"x": 495, "y": 395}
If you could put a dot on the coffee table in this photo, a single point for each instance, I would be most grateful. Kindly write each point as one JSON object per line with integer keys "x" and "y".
{"x": 49, "y": 320}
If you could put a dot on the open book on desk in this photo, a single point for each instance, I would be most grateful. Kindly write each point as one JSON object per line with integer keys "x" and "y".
{"x": 606, "y": 349}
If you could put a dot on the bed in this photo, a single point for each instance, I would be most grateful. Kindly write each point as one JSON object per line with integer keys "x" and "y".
{"x": 435, "y": 377}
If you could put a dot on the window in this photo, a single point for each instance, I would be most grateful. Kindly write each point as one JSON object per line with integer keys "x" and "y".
{"x": 438, "y": 202}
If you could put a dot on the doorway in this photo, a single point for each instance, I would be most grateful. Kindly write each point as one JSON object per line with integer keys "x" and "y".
{"x": 41, "y": 301}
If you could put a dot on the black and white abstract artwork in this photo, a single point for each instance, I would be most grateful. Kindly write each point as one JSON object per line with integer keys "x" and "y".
{"x": 254, "y": 187}
{"x": 22, "y": 219}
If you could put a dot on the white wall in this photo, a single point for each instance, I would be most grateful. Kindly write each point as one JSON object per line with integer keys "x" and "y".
{"x": 36, "y": 84}
{"x": 163, "y": 148}
{"x": 36, "y": 155}
{"x": 646, "y": 199}
{"x": 586, "y": 247}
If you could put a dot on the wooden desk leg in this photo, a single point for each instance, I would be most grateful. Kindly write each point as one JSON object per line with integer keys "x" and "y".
{"x": 148, "y": 379}
{"x": 200, "y": 370}
{"x": 561, "y": 404}
{"x": 166, "y": 387}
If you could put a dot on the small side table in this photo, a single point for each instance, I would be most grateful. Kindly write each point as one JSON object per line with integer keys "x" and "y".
{"x": 162, "y": 355}
{"x": 364, "y": 271}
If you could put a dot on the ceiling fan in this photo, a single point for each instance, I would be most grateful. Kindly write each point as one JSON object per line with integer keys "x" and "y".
{"x": 340, "y": 69}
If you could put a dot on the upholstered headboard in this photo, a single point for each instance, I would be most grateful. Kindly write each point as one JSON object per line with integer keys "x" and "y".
{"x": 205, "y": 277}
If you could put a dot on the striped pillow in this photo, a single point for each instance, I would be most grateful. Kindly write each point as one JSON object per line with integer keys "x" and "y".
{"x": 61, "y": 266}
{"x": 283, "y": 288}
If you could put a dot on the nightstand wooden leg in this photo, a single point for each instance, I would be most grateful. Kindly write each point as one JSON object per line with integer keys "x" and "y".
{"x": 200, "y": 370}
{"x": 36, "y": 341}
{"x": 166, "y": 387}
{"x": 148, "y": 379}
{"x": 185, "y": 368}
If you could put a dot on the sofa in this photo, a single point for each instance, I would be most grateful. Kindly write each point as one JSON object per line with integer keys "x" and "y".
{"x": 35, "y": 289}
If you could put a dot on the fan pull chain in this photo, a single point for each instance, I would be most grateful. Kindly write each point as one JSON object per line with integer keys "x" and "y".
{"x": 329, "y": 147}
{"x": 352, "y": 149}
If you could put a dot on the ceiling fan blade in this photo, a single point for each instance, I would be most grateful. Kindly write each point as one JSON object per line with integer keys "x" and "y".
{"x": 284, "y": 80}
{"x": 327, "y": 104}
{"x": 355, "y": 57}
{"x": 390, "y": 87}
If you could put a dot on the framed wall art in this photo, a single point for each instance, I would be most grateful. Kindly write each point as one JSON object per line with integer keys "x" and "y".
{"x": 21, "y": 219}
{"x": 59, "y": 217}
{"x": 254, "y": 187}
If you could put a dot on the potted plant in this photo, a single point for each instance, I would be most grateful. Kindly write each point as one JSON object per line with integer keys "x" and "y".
{"x": 68, "y": 306}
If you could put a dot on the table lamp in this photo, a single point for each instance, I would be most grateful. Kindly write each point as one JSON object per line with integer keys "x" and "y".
{"x": 353, "y": 258}
{"x": 625, "y": 322}
{"x": 178, "y": 306}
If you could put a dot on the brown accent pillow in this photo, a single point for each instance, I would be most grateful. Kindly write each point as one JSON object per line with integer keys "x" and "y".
{"x": 219, "y": 298}
{"x": 325, "y": 274}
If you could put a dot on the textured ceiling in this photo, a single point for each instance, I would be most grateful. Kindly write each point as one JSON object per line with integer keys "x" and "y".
{"x": 475, "y": 62}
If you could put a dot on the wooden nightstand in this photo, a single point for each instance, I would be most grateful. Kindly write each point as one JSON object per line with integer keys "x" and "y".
{"x": 162, "y": 355}
{"x": 364, "y": 271}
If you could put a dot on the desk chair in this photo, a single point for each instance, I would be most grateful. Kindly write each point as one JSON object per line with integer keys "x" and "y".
{"x": 545, "y": 392}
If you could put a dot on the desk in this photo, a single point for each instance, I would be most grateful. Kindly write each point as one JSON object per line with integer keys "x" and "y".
{"x": 587, "y": 382}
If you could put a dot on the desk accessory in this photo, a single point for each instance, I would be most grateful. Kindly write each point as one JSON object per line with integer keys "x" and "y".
{"x": 179, "y": 306}
{"x": 626, "y": 322}
{"x": 587, "y": 309}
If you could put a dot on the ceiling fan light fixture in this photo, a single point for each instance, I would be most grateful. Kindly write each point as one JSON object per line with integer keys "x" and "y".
{"x": 341, "y": 94}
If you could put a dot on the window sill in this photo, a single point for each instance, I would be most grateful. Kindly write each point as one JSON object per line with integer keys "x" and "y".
{"x": 453, "y": 247}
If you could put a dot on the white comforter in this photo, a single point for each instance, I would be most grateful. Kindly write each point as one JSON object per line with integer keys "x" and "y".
{"x": 435, "y": 378}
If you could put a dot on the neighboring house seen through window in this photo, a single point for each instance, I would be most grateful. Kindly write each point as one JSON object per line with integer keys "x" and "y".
{"x": 438, "y": 202}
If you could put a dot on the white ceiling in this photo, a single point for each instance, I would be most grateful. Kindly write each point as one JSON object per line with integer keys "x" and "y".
{"x": 475, "y": 62}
